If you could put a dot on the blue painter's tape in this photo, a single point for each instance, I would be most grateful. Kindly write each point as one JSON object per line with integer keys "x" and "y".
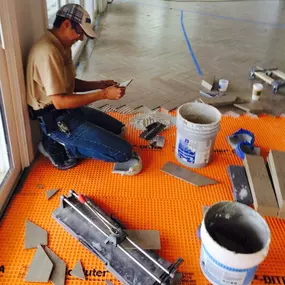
{"x": 189, "y": 45}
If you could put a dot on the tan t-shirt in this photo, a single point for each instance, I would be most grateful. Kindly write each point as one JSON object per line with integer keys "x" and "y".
{"x": 50, "y": 71}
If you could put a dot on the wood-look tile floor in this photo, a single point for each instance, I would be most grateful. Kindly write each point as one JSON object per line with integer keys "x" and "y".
{"x": 143, "y": 40}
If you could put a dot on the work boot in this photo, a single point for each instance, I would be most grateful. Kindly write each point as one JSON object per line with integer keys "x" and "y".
{"x": 123, "y": 132}
{"x": 131, "y": 167}
{"x": 56, "y": 153}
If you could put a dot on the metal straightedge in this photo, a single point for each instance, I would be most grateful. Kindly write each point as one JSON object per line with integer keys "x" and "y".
{"x": 266, "y": 76}
{"x": 104, "y": 236}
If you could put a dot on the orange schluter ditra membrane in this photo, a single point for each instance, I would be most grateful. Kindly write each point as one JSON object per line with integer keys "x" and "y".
{"x": 151, "y": 200}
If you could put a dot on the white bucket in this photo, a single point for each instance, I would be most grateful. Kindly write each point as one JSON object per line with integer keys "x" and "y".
{"x": 256, "y": 91}
{"x": 235, "y": 240}
{"x": 223, "y": 85}
{"x": 197, "y": 126}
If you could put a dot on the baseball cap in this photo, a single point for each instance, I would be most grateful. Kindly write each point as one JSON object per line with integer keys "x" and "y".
{"x": 79, "y": 15}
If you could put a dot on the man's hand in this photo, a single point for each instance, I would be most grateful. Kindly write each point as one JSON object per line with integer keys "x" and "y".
{"x": 108, "y": 83}
{"x": 114, "y": 93}
{"x": 70, "y": 101}
{"x": 83, "y": 86}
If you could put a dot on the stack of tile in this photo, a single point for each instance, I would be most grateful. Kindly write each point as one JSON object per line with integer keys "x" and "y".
{"x": 276, "y": 161}
{"x": 261, "y": 185}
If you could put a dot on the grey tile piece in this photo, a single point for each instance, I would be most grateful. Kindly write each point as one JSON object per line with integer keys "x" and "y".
{"x": 252, "y": 115}
{"x": 208, "y": 82}
{"x": 264, "y": 199}
{"x": 50, "y": 193}
{"x": 220, "y": 101}
{"x": 41, "y": 267}
{"x": 136, "y": 103}
{"x": 231, "y": 108}
{"x": 59, "y": 268}
{"x": 187, "y": 175}
{"x": 125, "y": 83}
{"x": 77, "y": 271}
{"x": 34, "y": 235}
{"x": 276, "y": 161}
{"x": 146, "y": 239}
{"x": 153, "y": 103}
{"x": 175, "y": 103}
{"x": 252, "y": 107}
{"x": 240, "y": 185}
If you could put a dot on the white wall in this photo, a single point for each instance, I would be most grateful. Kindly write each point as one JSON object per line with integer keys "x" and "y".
{"x": 31, "y": 22}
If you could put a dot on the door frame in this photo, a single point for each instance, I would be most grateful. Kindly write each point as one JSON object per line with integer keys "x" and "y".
{"x": 17, "y": 80}
{"x": 14, "y": 100}
{"x": 11, "y": 177}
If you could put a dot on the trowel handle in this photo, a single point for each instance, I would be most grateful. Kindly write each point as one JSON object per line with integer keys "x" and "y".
{"x": 81, "y": 199}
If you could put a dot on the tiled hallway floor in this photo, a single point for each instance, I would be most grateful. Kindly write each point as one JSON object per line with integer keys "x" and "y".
{"x": 144, "y": 40}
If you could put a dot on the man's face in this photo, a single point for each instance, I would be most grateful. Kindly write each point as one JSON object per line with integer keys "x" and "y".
{"x": 72, "y": 33}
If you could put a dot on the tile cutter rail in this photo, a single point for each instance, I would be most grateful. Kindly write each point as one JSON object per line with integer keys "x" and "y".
{"x": 265, "y": 75}
{"x": 104, "y": 236}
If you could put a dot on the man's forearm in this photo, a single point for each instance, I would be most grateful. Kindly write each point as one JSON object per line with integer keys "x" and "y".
{"x": 83, "y": 86}
{"x": 75, "y": 101}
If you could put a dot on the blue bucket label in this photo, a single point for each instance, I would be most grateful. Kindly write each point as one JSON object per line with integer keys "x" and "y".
{"x": 220, "y": 274}
{"x": 185, "y": 151}
{"x": 194, "y": 151}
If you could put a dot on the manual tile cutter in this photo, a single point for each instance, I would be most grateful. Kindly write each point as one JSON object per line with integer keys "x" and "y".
{"x": 104, "y": 236}
{"x": 264, "y": 74}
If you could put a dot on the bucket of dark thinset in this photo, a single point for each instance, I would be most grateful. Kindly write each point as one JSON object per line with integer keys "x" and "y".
{"x": 235, "y": 240}
{"x": 197, "y": 126}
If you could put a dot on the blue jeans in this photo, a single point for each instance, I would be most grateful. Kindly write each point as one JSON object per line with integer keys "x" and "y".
{"x": 91, "y": 134}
